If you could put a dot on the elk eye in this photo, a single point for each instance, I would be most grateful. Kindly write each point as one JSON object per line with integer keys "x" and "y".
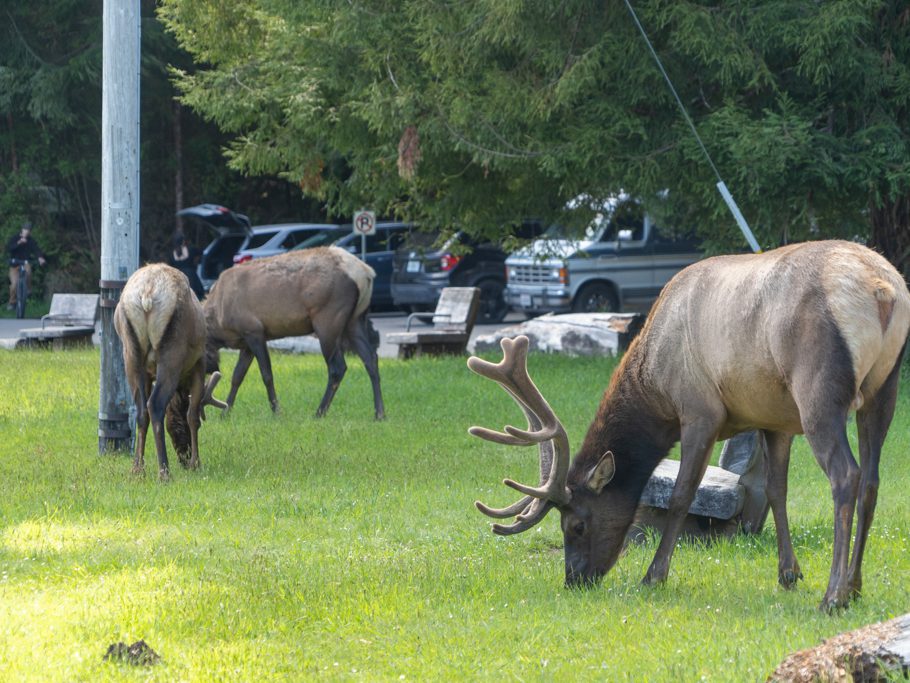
{"x": 578, "y": 528}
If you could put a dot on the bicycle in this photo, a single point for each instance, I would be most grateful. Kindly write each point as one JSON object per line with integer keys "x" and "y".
{"x": 21, "y": 285}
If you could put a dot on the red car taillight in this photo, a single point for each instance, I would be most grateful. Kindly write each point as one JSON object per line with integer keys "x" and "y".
{"x": 242, "y": 258}
{"x": 448, "y": 261}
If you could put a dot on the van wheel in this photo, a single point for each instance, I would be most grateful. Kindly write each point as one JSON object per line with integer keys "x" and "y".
{"x": 596, "y": 298}
{"x": 493, "y": 307}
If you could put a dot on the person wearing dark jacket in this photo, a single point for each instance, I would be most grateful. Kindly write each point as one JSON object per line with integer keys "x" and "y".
{"x": 185, "y": 259}
{"x": 21, "y": 247}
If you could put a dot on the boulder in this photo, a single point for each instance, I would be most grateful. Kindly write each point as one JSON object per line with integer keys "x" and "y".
{"x": 574, "y": 334}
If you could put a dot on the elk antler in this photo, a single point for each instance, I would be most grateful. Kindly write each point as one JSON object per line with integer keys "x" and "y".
{"x": 207, "y": 398}
{"x": 544, "y": 429}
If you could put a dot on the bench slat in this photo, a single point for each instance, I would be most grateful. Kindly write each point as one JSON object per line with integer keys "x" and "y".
{"x": 720, "y": 495}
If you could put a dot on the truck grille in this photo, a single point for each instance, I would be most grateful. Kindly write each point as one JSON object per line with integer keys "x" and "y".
{"x": 537, "y": 274}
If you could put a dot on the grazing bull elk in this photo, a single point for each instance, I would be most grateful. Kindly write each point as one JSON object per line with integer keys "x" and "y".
{"x": 324, "y": 290}
{"x": 788, "y": 342}
{"x": 162, "y": 329}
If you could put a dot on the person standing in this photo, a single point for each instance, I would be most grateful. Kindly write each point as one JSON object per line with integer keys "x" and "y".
{"x": 185, "y": 259}
{"x": 21, "y": 247}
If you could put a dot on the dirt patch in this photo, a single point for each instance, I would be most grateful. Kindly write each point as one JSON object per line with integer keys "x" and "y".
{"x": 137, "y": 654}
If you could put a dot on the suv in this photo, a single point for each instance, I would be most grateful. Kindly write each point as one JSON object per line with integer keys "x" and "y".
{"x": 422, "y": 269}
{"x": 381, "y": 248}
{"x": 622, "y": 262}
{"x": 237, "y": 241}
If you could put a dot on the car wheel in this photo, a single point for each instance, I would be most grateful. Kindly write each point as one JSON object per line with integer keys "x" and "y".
{"x": 596, "y": 298}
{"x": 493, "y": 306}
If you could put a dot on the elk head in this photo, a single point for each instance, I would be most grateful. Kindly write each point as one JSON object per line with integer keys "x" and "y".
{"x": 593, "y": 522}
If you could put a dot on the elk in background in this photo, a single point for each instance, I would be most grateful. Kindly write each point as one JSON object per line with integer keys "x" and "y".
{"x": 788, "y": 342}
{"x": 324, "y": 290}
{"x": 162, "y": 328}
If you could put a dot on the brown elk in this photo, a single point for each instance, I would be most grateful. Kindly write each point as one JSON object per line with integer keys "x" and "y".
{"x": 162, "y": 329}
{"x": 787, "y": 342}
{"x": 324, "y": 290}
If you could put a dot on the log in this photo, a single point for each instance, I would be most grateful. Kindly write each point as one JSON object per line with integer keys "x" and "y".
{"x": 871, "y": 653}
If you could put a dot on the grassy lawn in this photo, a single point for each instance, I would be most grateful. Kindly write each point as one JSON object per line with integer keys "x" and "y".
{"x": 349, "y": 549}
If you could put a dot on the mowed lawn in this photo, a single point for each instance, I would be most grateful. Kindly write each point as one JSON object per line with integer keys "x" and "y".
{"x": 345, "y": 548}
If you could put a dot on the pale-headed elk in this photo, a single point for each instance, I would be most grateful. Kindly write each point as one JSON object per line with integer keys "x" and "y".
{"x": 787, "y": 342}
{"x": 324, "y": 290}
{"x": 162, "y": 329}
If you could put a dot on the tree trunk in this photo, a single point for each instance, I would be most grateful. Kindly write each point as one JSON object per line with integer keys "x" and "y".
{"x": 178, "y": 163}
{"x": 890, "y": 233}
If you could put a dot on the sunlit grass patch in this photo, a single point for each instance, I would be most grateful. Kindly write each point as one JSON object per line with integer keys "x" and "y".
{"x": 346, "y": 548}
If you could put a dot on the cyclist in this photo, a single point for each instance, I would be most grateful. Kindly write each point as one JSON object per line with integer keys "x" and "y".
{"x": 22, "y": 246}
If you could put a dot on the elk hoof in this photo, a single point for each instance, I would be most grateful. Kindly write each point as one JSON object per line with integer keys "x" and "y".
{"x": 834, "y": 603}
{"x": 138, "y": 471}
{"x": 788, "y": 577}
{"x": 164, "y": 476}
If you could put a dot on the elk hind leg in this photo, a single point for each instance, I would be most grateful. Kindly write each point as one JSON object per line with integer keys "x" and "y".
{"x": 872, "y": 423}
{"x": 359, "y": 336}
{"x": 337, "y": 368}
{"x": 197, "y": 387}
{"x": 777, "y": 458}
{"x": 141, "y": 391}
{"x": 260, "y": 350}
{"x": 698, "y": 438}
{"x": 244, "y": 361}
{"x": 162, "y": 392}
{"x": 831, "y": 447}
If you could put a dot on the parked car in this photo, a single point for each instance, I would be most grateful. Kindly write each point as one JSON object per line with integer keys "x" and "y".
{"x": 270, "y": 240}
{"x": 381, "y": 249}
{"x": 237, "y": 241}
{"x": 421, "y": 269}
{"x": 621, "y": 263}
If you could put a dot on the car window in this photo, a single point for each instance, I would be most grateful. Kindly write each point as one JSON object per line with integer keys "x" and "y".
{"x": 320, "y": 239}
{"x": 295, "y": 237}
{"x": 674, "y": 237}
{"x": 260, "y": 238}
{"x": 384, "y": 239}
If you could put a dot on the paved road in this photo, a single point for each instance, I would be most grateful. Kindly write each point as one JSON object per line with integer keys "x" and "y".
{"x": 384, "y": 322}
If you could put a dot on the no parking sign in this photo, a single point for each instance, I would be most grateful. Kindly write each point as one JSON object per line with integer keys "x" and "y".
{"x": 365, "y": 222}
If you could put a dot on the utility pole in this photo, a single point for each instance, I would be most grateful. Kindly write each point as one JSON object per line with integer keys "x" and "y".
{"x": 119, "y": 208}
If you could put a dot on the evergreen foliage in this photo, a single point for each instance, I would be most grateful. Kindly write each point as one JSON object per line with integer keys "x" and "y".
{"x": 519, "y": 105}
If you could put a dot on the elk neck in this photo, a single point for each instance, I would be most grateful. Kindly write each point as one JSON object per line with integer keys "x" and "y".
{"x": 632, "y": 425}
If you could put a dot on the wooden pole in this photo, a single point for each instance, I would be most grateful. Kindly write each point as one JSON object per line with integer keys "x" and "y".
{"x": 119, "y": 208}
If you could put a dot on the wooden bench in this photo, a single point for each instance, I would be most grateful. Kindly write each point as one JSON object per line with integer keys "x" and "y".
{"x": 452, "y": 322}
{"x": 70, "y": 322}
{"x": 731, "y": 497}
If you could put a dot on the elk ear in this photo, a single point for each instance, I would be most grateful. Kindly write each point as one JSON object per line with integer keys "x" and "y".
{"x": 601, "y": 474}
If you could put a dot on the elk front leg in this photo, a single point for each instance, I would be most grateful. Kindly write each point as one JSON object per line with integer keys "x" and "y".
{"x": 697, "y": 440}
{"x": 777, "y": 457}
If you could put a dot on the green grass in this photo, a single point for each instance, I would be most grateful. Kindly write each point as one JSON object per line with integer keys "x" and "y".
{"x": 343, "y": 548}
{"x": 33, "y": 308}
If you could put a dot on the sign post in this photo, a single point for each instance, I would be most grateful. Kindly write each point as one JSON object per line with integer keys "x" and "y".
{"x": 364, "y": 224}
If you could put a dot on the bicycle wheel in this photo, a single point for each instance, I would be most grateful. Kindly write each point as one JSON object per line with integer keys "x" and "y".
{"x": 21, "y": 293}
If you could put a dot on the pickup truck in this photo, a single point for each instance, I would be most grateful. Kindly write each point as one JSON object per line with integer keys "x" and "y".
{"x": 621, "y": 263}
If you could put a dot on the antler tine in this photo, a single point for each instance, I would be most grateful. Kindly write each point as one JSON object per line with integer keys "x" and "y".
{"x": 544, "y": 429}
{"x": 207, "y": 395}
